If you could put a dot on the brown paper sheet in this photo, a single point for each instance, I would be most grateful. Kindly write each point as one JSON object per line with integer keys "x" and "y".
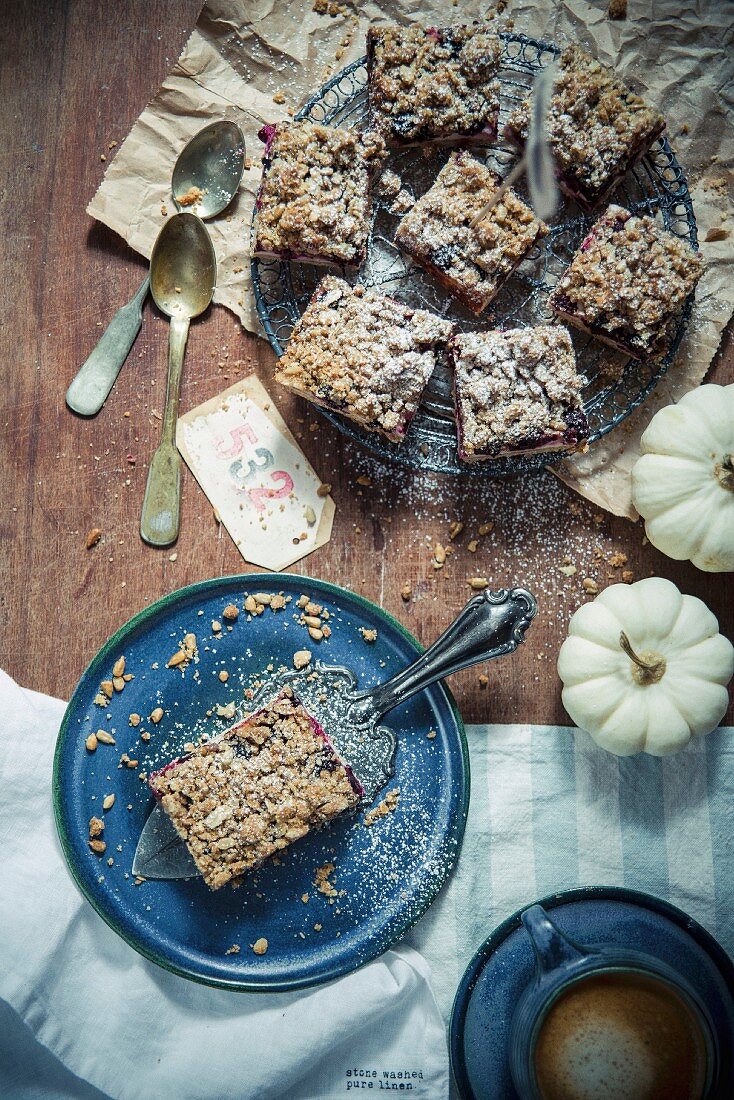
{"x": 260, "y": 61}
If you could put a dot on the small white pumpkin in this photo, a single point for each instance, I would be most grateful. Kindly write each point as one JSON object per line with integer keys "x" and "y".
{"x": 683, "y": 483}
{"x": 645, "y": 669}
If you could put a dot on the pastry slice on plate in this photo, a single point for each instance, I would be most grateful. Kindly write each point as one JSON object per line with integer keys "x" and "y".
{"x": 433, "y": 83}
{"x": 597, "y": 127}
{"x": 314, "y": 199}
{"x": 628, "y": 283}
{"x": 517, "y": 392}
{"x": 471, "y": 260}
{"x": 266, "y": 782}
{"x": 364, "y": 355}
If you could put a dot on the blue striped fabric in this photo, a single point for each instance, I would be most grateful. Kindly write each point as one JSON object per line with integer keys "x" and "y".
{"x": 550, "y": 811}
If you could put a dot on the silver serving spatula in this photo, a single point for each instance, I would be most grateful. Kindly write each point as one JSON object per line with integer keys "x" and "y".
{"x": 490, "y": 625}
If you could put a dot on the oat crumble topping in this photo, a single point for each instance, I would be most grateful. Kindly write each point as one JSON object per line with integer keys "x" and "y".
{"x": 266, "y": 782}
{"x": 597, "y": 126}
{"x": 364, "y": 355}
{"x": 628, "y": 282}
{"x": 433, "y": 83}
{"x": 517, "y": 391}
{"x": 314, "y": 201}
{"x": 472, "y": 262}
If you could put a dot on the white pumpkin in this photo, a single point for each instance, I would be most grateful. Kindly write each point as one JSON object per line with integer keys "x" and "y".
{"x": 683, "y": 483}
{"x": 645, "y": 669}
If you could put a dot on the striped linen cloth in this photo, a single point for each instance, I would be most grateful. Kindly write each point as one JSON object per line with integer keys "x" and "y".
{"x": 550, "y": 810}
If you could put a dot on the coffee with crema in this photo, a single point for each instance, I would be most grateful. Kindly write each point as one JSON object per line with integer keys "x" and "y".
{"x": 620, "y": 1036}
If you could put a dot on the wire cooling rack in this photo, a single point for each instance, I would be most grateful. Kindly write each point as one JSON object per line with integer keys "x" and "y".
{"x": 616, "y": 385}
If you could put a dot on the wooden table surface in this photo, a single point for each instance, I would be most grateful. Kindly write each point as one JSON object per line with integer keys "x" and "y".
{"x": 75, "y": 77}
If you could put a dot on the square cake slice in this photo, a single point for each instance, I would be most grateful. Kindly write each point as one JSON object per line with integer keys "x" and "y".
{"x": 264, "y": 783}
{"x": 628, "y": 283}
{"x": 314, "y": 199}
{"x": 433, "y": 83}
{"x": 363, "y": 355}
{"x": 470, "y": 261}
{"x": 517, "y": 392}
{"x": 597, "y": 127}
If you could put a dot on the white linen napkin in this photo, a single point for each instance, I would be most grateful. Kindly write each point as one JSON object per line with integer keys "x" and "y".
{"x": 117, "y": 1023}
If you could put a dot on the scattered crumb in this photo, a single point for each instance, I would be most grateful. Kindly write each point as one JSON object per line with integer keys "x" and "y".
{"x": 590, "y": 586}
{"x": 322, "y": 883}
{"x": 224, "y": 676}
{"x": 93, "y": 538}
{"x": 190, "y": 197}
{"x": 567, "y": 570}
{"x": 278, "y": 98}
{"x": 483, "y": 680}
{"x": 627, "y": 576}
{"x": 406, "y": 592}
{"x": 231, "y": 613}
{"x": 388, "y": 804}
{"x": 431, "y": 735}
{"x": 368, "y": 635}
{"x": 716, "y": 234}
{"x": 301, "y": 658}
{"x": 235, "y": 948}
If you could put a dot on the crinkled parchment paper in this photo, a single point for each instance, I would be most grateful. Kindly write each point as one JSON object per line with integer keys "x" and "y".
{"x": 255, "y": 62}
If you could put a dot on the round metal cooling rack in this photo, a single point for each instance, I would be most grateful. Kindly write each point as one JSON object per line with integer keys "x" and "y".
{"x": 616, "y": 386}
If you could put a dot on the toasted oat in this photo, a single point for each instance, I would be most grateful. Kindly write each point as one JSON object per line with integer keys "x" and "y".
{"x": 216, "y": 626}
{"x": 93, "y": 537}
{"x": 118, "y": 668}
{"x": 260, "y": 946}
{"x": 105, "y": 737}
{"x": 406, "y": 592}
{"x": 323, "y": 490}
{"x": 107, "y": 688}
{"x": 98, "y": 847}
{"x": 108, "y": 802}
{"x": 231, "y": 613}
{"x": 118, "y": 683}
{"x": 156, "y": 714}
{"x": 483, "y": 680}
{"x": 301, "y": 658}
{"x": 178, "y": 658}
{"x": 477, "y": 583}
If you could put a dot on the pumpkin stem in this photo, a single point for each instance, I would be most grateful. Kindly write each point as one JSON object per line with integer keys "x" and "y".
{"x": 649, "y": 668}
{"x": 724, "y": 472}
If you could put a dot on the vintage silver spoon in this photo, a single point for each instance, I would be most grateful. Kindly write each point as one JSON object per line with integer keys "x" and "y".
{"x": 208, "y": 172}
{"x": 490, "y": 625}
{"x": 183, "y": 274}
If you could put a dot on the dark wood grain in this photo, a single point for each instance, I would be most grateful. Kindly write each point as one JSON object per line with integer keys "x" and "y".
{"x": 74, "y": 78}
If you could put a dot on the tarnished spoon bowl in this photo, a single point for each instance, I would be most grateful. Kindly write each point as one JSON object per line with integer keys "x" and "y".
{"x": 212, "y": 163}
{"x": 183, "y": 274}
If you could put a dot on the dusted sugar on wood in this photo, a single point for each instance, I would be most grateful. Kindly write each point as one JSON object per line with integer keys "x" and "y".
{"x": 314, "y": 199}
{"x": 364, "y": 355}
{"x": 266, "y": 782}
{"x": 433, "y": 83}
{"x": 628, "y": 283}
{"x": 597, "y": 127}
{"x": 517, "y": 391}
{"x": 470, "y": 261}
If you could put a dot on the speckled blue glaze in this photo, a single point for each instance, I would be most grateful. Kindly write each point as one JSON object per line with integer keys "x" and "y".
{"x": 389, "y": 873}
{"x": 505, "y": 964}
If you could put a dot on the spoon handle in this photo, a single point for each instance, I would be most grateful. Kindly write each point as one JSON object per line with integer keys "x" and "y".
{"x": 489, "y": 626}
{"x": 161, "y": 503}
{"x": 89, "y": 390}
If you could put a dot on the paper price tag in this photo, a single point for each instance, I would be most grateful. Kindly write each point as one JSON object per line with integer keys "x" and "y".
{"x": 255, "y": 475}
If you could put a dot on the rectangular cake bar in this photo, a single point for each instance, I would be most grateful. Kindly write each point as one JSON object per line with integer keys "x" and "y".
{"x": 268, "y": 781}
{"x": 470, "y": 261}
{"x": 597, "y": 127}
{"x": 314, "y": 199}
{"x": 628, "y": 283}
{"x": 517, "y": 392}
{"x": 363, "y": 355}
{"x": 433, "y": 83}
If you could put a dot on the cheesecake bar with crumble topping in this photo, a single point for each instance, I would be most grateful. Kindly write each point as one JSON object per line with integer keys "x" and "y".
{"x": 471, "y": 261}
{"x": 628, "y": 283}
{"x": 433, "y": 83}
{"x": 363, "y": 355}
{"x": 517, "y": 392}
{"x": 597, "y": 127}
{"x": 244, "y": 796}
{"x": 314, "y": 199}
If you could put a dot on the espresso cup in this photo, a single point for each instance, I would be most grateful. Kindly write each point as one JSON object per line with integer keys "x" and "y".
{"x": 607, "y": 1023}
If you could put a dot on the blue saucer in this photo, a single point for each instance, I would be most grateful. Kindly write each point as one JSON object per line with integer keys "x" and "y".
{"x": 504, "y": 965}
{"x": 384, "y": 877}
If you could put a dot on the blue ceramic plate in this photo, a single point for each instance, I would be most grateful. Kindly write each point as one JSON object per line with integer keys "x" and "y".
{"x": 385, "y": 876}
{"x": 504, "y": 965}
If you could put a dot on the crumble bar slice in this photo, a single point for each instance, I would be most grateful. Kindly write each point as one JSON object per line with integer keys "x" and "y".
{"x": 364, "y": 355}
{"x": 628, "y": 283}
{"x": 433, "y": 83}
{"x": 314, "y": 198}
{"x": 471, "y": 262}
{"x": 266, "y": 782}
{"x": 517, "y": 392}
{"x": 597, "y": 127}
